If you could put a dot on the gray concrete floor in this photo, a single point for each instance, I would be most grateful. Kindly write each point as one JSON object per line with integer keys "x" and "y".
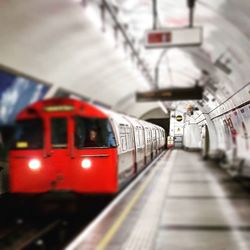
{"x": 204, "y": 208}
{"x": 188, "y": 203}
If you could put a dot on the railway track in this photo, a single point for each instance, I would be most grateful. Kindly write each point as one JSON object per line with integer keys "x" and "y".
{"x": 31, "y": 235}
{"x": 37, "y": 234}
{"x": 35, "y": 231}
{"x": 42, "y": 231}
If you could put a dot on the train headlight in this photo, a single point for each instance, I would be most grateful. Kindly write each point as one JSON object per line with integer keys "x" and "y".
{"x": 86, "y": 163}
{"x": 34, "y": 164}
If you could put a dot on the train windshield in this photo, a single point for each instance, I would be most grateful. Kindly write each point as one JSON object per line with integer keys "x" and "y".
{"x": 93, "y": 133}
{"x": 59, "y": 132}
{"x": 28, "y": 134}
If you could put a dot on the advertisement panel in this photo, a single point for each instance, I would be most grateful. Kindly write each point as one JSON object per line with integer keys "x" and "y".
{"x": 16, "y": 92}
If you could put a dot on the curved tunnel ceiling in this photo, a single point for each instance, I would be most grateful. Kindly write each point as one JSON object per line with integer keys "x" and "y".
{"x": 55, "y": 41}
{"x": 225, "y": 36}
{"x": 61, "y": 42}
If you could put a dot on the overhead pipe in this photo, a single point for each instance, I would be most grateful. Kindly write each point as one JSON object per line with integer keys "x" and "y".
{"x": 128, "y": 40}
{"x": 157, "y": 71}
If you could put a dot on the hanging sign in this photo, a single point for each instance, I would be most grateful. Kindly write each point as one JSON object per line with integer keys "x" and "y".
{"x": 173, "y": 37}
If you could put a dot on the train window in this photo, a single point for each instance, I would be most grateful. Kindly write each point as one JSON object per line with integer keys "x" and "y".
{"x": 111, "y": 136}
{"x": 59, "y": 132}
{"x": 28, "y": 134}
{"x": 129, "y": 137}
{"x": 123, "y": 143}
{"x": 141, "y": 136}
{"x": 93, "y": 132}
{"x": 147, "y": 135}
{"x": 153, "y": 134}
{"x": 137, "y": 137}
{"x": 125, "y": 137}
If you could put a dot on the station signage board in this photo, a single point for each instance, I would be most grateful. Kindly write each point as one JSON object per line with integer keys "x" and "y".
{"x": 171, "y": 94}
{"x": 178, "y": 118}
{"x": 173, "y": 37}
{"x": 178, "y": 130}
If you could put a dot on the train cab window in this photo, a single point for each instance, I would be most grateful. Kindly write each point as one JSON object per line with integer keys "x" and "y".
{"x": 93, "y": 133}
{"x": 59, "y": 132}
{"x": 28, "y": 134}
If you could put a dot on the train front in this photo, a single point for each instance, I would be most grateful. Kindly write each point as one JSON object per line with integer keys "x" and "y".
{"x": 63, "y": 145}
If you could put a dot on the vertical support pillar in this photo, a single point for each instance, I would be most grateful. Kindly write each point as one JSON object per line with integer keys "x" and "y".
{"x": 191, "y": 4}
{"x": 191, "y": 17}
{"x": 155, "y": 14}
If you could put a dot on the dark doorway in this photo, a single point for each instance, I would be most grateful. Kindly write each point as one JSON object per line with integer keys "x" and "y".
{"x": 163, "y": 122}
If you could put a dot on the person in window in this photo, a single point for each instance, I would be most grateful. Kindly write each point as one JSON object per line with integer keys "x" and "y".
{"x": 91, "y": 140}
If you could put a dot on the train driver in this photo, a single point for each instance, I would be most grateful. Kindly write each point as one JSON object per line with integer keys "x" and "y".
{"x": 91, "y": 140}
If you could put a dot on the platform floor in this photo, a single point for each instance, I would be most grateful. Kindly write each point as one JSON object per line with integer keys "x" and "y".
{"x": 182, "y": 203}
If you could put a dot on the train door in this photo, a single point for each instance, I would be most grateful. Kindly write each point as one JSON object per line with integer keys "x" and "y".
{"x": 145, "y": 142}
{"x": 60, "y": 151}
{"x": 157, "y": 141}
{"x": 146, "y": 138}
{"x": 139, "y": 147}
{"x": 134, "y": 145}
{"x": 151, "y": 143}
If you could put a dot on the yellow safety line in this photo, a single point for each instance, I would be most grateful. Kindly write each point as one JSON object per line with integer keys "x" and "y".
{"x": 111, "y": 232}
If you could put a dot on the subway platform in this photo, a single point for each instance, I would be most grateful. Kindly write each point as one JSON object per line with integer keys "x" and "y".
{"x": 182, "y": 202}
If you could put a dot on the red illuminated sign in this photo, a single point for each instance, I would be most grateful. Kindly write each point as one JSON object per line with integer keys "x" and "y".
{"x": 159, "y": 37}
{"x": 173, "y": 37}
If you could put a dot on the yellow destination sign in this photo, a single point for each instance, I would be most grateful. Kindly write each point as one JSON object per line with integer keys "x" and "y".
{"x": 59, "y": 108}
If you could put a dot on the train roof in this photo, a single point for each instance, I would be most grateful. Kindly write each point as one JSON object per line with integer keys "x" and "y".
{"x": 61, "y": 106}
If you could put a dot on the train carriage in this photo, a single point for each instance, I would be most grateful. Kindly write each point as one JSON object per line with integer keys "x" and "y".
{"x": 63, "y": 144}
{"x": 125, "y": 146}
{"x": 139, "y": 139}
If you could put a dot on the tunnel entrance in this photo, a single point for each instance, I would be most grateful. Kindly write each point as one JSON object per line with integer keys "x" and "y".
{"x": 162, "y": 122}
{"x": 158, "y": 117}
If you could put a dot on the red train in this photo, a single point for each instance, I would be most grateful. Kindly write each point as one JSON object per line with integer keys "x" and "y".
{"x": 69, "y": 145}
